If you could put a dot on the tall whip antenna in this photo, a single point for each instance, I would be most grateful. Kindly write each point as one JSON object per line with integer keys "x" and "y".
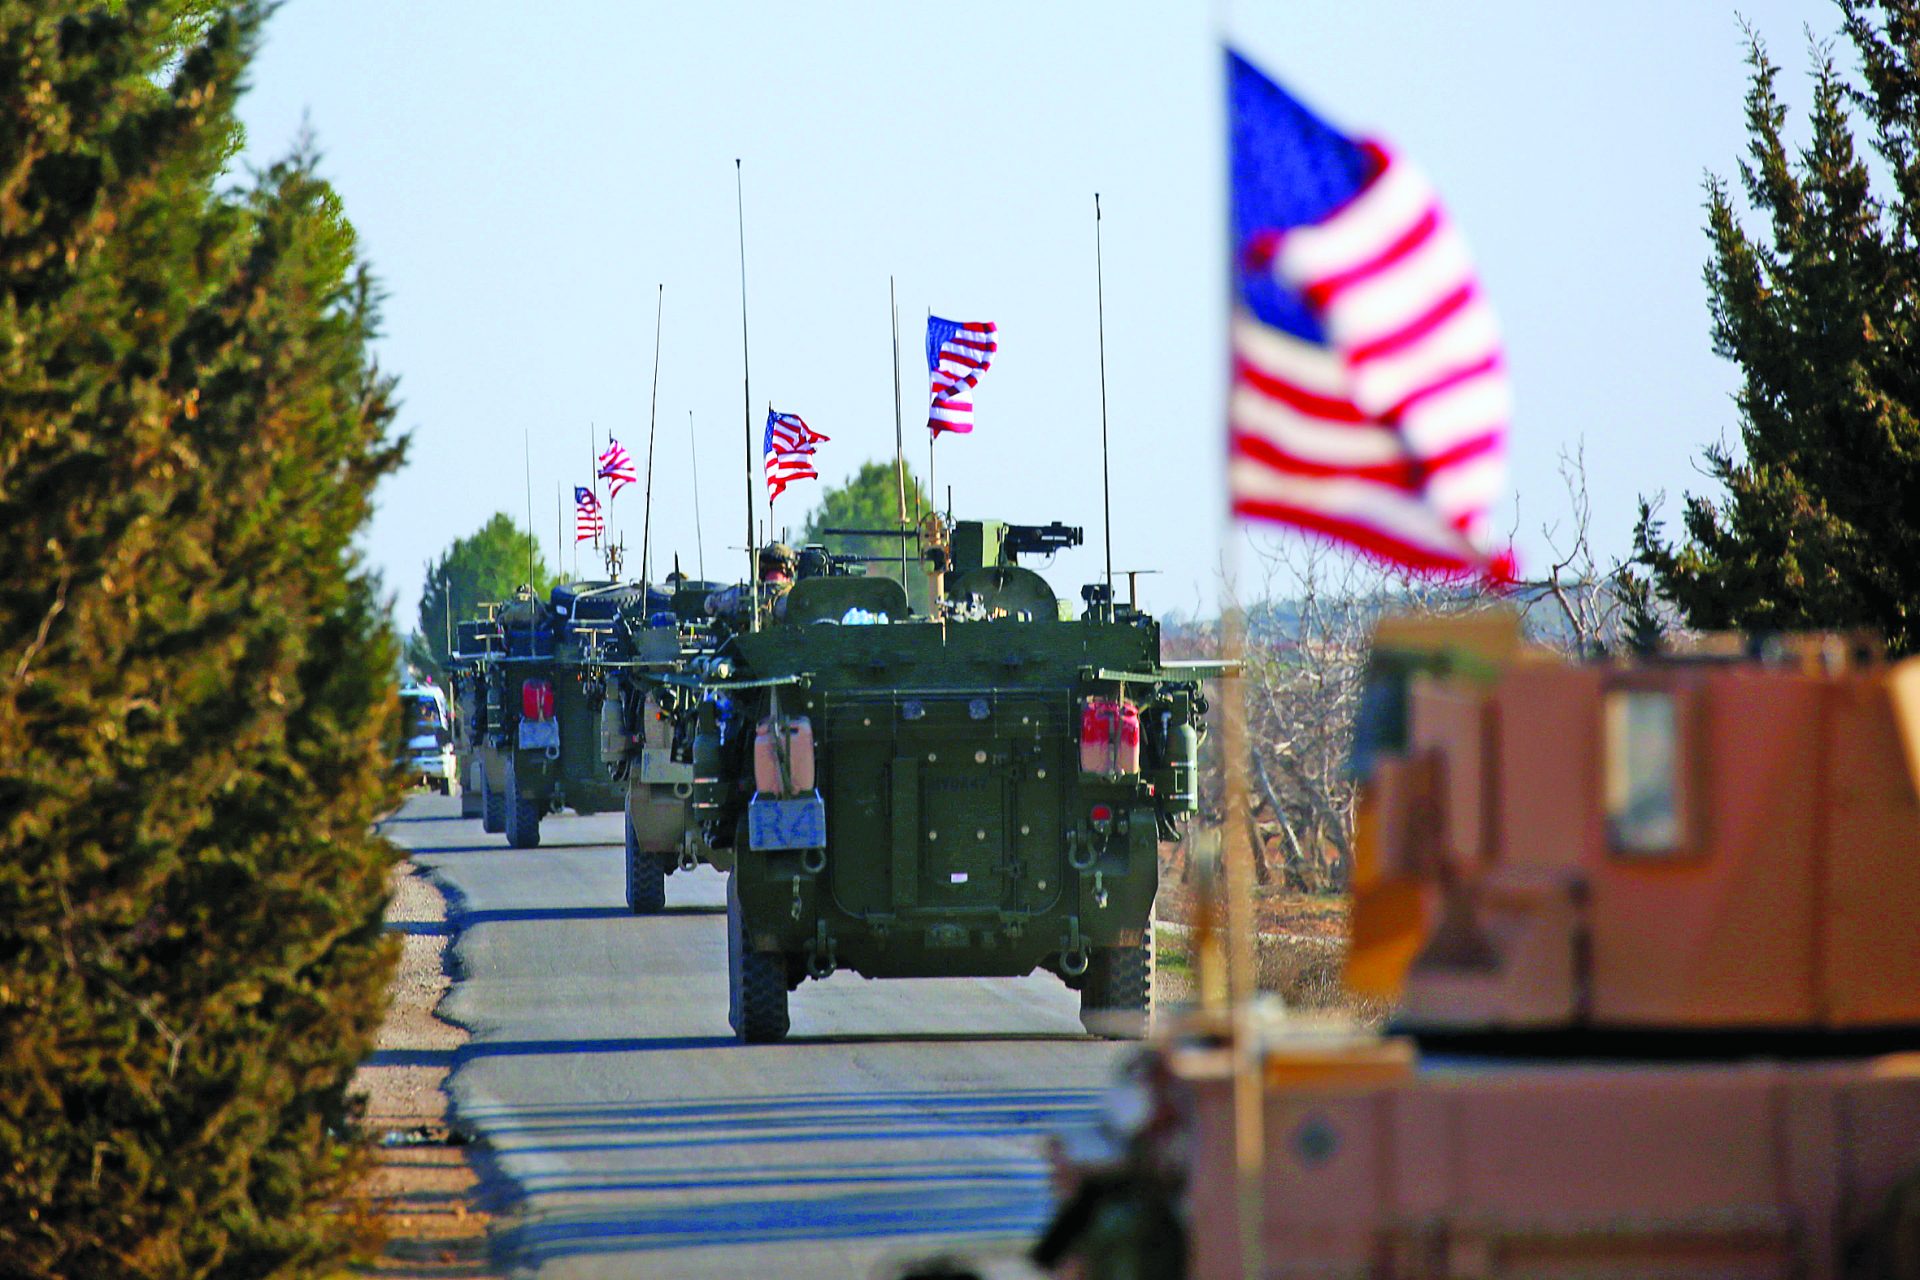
{"x": 746, "y": 403}
{"x": 1106, "y": 489}
{"x": 646, "y": 520}
{"x": 526, "y": 461}
{"x": 899, "y": 433}
{"x": 699, "y": 538}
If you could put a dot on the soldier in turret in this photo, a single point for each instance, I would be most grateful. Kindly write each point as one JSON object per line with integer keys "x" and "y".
{"x": 734, "y": 604}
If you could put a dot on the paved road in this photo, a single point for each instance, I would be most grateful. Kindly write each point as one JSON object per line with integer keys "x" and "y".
{"x": 627, "y": 1135}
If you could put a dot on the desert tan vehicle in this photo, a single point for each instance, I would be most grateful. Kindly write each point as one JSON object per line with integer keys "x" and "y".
{"x": 1653, "y": 930}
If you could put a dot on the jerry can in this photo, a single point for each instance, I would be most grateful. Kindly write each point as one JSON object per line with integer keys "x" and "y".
{"x": 536, "y": 700}
{"x": 1109, "y": 736}
{"x": 797, "y": 749}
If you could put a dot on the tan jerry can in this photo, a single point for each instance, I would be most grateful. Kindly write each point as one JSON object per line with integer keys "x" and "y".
{"x": 770, "y": 754}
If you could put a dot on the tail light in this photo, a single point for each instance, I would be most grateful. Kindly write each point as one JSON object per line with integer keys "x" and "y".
{"x": 536, "y": 700}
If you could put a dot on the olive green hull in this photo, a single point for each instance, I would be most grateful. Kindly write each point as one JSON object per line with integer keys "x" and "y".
{"x": 960, "y": 829}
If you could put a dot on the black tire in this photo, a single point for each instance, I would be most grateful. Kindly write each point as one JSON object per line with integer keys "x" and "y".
{"x": 756, "y": 981}
{"x": 493, "y": 807}
{"x": 523, "y": 813}
{"x": 646, "y": 873}
{"x": 1116, "y": 995}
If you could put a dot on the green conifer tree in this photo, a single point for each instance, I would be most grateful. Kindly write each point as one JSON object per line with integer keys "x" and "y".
{"x": 1820, "y": 523}
{"x": 195, "y": 676}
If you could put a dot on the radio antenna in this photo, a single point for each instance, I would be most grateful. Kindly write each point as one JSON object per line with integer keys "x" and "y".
{"x": 899, "y": 434}
{"x": 646, "y": 520}
{"x": 699, "y": 536}
{"x": 526, "y": 462}
{"x": 746, "y": 403}
{"x": 1106, "y": 490}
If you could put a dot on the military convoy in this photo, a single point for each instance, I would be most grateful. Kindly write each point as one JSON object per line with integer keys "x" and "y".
{"x": 978, "y": 792}
{"x": 554, "y": 701}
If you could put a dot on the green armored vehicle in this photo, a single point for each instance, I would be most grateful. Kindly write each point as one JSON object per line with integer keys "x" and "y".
{"x": 649, "y": 672}
{"x": 979, "y": 793}
{"x": 529, "y": 687}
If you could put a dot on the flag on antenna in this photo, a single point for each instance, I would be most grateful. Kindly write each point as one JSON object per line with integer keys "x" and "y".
{"x": 617, "y": 466}
{"x": 789, "y": 450}
{"x": 957, "y": 354}
{"x": 1369, "y": 401}
{"x": 588, "y": 522}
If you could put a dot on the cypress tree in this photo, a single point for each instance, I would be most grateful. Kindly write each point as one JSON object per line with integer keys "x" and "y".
{"x": 195, "y": 687}
{"x": 1820, "y": 522}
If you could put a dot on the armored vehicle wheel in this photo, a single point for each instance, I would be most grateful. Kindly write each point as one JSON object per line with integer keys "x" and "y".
{"x": 472, "y": 803}
{"x": 646, "y": 873}
{"x": 493, "y": 808}
{"x": 523, "y": 813}
{"x": 756, "y": 982}
{"x": 1117, "y": 992}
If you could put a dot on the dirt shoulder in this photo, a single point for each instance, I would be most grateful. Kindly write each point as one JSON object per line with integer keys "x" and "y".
{"x": 422, "y": 1184}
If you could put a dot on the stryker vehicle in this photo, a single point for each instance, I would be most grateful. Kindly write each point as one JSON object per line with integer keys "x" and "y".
{"x": 1660, "y": 916}
{"x": 978, "y": 793}
{"x": 649, "y": 671}
{"x": 529, "y": 690}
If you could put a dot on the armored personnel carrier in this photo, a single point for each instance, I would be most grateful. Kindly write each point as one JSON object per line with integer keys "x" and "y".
{"x": 977, "y": 793}
{"x": 528, "y": 683}
{"x": 648, "y": 672}
{"x": 1650, "y": 926}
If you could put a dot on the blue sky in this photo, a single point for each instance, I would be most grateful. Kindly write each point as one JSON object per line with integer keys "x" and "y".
{"x": 523, "y": 177}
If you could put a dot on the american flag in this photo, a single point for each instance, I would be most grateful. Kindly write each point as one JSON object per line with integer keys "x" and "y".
{"x": 1369, "y": 401}
{"x": 616, "y": 466}
{"x": 789, "y": 450}
{"x": 588, "y": 523}
{"x": 957, "y": 354}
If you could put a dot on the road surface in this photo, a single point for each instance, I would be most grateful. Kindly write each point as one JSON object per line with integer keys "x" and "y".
{"x": 626, "y": 1134}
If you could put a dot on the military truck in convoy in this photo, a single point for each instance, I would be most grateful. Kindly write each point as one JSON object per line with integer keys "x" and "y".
{"x": 979, "y": 792}
{"x": 553, "y": 707}
{"x": 648, "y": 672}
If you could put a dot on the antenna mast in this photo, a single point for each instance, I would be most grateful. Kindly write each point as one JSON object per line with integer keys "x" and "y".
{"x": 526, "y": 462}
{"x": 699, "y": 538}
{"x": 646, "y": 520}
{"x": 899, "y": 434}
{"x": 1106, "y": 489}
{"x": 746, "y": 403}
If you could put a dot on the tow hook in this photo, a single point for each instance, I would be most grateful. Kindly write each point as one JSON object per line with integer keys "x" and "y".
{"x": 1081, "y": 854}
{"x": 822, "y": 960}
{"x": 1073, "y": 949}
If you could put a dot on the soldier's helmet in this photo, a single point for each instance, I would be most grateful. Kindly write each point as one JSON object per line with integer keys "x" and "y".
{"x": 777, "y": 555}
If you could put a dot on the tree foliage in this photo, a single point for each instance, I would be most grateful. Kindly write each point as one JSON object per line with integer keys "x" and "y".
{"x": 1818, "y": 526}
{"x": 870, "y": 499}
{"x": 485, "y": 566}
{"x": 195, "y": 674}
